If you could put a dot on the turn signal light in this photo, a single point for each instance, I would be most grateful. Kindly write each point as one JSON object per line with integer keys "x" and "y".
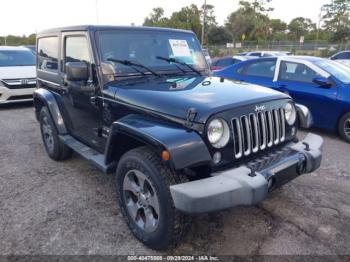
{"x": 165, "y": 155}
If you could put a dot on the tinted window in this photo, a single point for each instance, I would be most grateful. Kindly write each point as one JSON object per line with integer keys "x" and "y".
{"x": 48, "y": 54}
{"x": 16, "y": 58}
{"x": 225, "y": 62}
{"x": 343, "y": 55}
{"x": 255, "y": 54}
{"x": 297, "y": 72}
{"x": 268, "y": 55}
{"x": 77, "y": 49}
{"x": 261, "y": 68}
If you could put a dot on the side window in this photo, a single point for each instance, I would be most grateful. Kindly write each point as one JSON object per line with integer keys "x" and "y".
{"x": 261, "y": 68}
{"x": 76, "y": 50}
{"x": 255, "y": 54}
{"x": 297, "y": 72}
{"x": 48, "y": 54}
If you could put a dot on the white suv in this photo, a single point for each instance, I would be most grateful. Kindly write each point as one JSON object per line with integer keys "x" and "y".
{"x": 17, "y": 74}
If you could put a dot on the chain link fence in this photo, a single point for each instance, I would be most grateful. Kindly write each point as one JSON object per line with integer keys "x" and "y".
{"x": 316, "y": 48}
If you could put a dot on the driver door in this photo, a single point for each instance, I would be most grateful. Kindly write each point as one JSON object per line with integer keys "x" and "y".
{"x": 79, "y": 97}
{"x": 296, "y": 79}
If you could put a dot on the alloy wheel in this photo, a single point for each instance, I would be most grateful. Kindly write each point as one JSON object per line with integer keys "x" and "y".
{"x": 47, "y": 134}
{"x": 347, "y": 127}
{"x": 141, "y": 200}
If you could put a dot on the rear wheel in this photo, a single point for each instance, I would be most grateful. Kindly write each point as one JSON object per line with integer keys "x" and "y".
{"x": 54, "y": 147}
{"x": 144, "y": 197}
{"x": 344, "y": 127}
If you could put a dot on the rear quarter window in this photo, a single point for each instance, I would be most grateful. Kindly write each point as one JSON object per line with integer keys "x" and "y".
{"x": 48, "y": 54}
{"x": 261, "y": 68}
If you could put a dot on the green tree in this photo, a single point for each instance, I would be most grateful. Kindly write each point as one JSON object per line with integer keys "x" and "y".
{"x": 337, "y": 19}
{"x": 219, "y": 35}
{"x": 187, "y": 18}
{"x": 13, "y": 40}
{"x": 156, "y": 18}
{"x": 278, "y": 26}
{"x": 301, "y": 26}
{"x": 250, "y": 19}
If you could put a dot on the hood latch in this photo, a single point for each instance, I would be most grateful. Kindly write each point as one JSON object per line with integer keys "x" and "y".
{"x": 191, "y": 114}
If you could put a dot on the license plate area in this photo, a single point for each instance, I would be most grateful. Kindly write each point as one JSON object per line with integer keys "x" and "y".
{"x": 283, "y": 176}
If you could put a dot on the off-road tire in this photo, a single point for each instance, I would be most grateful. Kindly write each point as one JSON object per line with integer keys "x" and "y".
{"x": 57, "y": 150}
{"x": 343, "y": 122}
{"x": 172, "y": 224}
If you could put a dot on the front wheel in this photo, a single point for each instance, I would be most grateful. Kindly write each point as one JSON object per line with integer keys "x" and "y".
{"x": 344, "y": 127}
{"x": 144, "y": 197}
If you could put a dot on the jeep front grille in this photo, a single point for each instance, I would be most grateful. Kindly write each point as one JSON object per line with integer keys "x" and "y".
{"x": 258, "y": 131}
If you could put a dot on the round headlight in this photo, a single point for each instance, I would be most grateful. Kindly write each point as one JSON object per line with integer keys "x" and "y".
{"x": 218, "y": 133}
{"x": 290, "y": 113}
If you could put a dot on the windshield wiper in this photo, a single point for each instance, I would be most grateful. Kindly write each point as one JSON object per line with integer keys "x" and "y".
{"x": 133, "y": 65}
{"x": 174, "y": 60}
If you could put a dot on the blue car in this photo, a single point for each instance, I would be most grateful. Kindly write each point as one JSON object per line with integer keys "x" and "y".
{"x": 320, "y": 84}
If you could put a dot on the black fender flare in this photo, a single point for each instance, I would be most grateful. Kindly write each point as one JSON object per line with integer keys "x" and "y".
{"x": 186, "y": 147}
{"x": 43, "y": 96}
{"x": 304, "y": 115}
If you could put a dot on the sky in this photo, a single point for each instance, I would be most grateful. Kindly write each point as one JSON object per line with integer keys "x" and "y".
{"x": 20, "y": 17}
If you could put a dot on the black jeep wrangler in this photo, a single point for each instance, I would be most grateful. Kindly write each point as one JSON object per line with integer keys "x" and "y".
{"x": 140, "y": 102}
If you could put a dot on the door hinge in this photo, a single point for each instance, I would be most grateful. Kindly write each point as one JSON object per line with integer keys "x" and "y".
{"x": 191, "y": 114}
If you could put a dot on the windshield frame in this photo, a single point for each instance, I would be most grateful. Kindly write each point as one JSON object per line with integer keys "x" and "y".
{"x": 162, "y": 70}
{"x": 26, "y": 51}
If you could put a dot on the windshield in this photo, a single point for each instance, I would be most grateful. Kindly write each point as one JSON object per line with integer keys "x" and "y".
{"x": 339, "y": 71}
{"x": 144, "y": 47}
{"x": 16, "y": 58}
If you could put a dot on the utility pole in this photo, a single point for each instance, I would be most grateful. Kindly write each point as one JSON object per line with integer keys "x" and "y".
{"x": 204, "y": 17}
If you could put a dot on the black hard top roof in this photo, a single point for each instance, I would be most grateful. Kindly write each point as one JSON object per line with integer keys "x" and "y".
{"x": 108, "y": 27}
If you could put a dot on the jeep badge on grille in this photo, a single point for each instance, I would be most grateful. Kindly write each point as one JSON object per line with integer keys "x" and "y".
{"x": 259, "y": 108}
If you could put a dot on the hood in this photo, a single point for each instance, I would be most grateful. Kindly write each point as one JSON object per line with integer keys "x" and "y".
{"x": 15, "y": 72}
{"x": 175, "y": 96}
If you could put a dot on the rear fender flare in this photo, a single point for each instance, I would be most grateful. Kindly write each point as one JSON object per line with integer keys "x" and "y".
{"x": 43, "y": 96}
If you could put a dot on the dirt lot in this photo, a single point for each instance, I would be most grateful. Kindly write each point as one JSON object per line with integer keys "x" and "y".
{"x": 70, "y": 207}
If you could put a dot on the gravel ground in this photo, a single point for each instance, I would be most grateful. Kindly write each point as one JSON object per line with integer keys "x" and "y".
{"x": 70, "y": 207}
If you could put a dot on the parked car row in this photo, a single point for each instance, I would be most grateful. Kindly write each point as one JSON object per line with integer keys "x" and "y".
{"x": 342, "y": 57}
{"x": 219, "y": 63}
{"x": 321, "y": 84}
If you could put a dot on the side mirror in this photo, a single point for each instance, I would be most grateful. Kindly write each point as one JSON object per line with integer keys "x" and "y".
{"x": 333, "y": 58}
{"x": 322, "y": 81}
{"x": 77, "y": 71}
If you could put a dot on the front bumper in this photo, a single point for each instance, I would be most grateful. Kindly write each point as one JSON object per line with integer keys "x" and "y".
{"x": 8, "y": 95}
{"x": 244, "y": 186}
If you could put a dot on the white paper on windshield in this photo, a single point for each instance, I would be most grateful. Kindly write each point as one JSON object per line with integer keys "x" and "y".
{"x": 180, "y": 48}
